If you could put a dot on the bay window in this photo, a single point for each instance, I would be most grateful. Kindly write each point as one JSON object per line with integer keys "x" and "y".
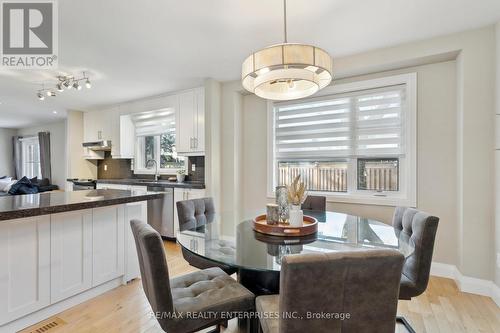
{"x": 353, "y": 143}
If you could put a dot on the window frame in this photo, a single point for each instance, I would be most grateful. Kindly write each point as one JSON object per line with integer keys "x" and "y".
{"x": 139, "y": 152}
{"x": 25, "y": 142}
{"x": 407, "y": 194}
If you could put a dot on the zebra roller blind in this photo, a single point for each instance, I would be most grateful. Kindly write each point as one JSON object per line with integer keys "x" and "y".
{"x": 361, "y": 123}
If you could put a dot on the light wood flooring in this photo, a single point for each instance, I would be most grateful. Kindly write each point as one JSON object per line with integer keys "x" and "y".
{"x": 442, "y": 308}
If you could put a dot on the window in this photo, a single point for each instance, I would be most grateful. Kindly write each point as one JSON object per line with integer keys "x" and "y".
{"x": 155, "y": 138}
{"x": 353, "y": 143}
{"x": 31, "y": 157}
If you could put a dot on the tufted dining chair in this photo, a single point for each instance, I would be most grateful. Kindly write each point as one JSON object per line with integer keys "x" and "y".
{"x": 314, "y": 202}
{"x": 193, "y": 214}
{"x": 419, "y": 229}
{"x": 190, "y": 302}
{"x": 363, "y": 284}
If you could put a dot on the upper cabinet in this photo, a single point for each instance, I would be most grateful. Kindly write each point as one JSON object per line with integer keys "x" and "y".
{"x": 123, "y": 139}
{"x": 97, "y": 125}
{"x": 190, "y": 122}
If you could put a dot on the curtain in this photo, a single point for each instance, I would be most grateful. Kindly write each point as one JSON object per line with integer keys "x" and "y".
{"x": 44, "y": 141}
{"x": 17, "y": 156}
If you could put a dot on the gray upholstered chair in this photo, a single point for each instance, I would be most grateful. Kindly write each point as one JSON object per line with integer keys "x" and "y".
{"x": 196, "y": 213}
{"x": 363, "y": 284}
{"x": 203, "y": 293}
{"x": 314, "y": 202}
{"x": 419, "y": 229}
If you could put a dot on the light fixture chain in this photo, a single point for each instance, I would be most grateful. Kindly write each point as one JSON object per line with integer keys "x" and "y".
{"x": 284, "y": 20}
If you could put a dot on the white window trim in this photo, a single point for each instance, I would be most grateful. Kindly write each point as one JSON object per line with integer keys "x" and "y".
{"x": 152, "y": 171}
{"x": 407, "y": 196}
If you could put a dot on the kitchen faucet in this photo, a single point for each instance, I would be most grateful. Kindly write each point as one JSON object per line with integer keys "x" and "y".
{"x": 157, "y": 175}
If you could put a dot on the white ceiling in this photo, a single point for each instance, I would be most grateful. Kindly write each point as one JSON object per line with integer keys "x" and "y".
{"x": 135, "y": 49}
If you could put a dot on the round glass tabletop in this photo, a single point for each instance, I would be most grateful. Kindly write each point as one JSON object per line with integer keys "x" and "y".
{"x": 238, "y": 245}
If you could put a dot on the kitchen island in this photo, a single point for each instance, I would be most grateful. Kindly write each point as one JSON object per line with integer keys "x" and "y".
{"x": 59, "y": 249}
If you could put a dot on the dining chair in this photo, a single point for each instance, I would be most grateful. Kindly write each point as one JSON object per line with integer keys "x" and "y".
{"x": 190, "y": 302}
{"x": 314, "y": 202}
{"x": 419, "y": 229}
{"x": 196, "y": 213}
{"x": 358, "y": 290}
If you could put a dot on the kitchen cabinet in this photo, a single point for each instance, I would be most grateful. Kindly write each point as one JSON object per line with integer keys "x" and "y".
{"x": 123, "y": 138}
{"x": 190, "y": 122}
{"x": 71, "y": 253}
{"x": 107, "y": 243}
{"x": 97, "y": 125}
{"x": 181, "y": 194}
{"x": 24, "y": 266}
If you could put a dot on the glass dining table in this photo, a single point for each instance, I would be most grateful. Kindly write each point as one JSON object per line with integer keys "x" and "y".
{"x": 257, "y": 257}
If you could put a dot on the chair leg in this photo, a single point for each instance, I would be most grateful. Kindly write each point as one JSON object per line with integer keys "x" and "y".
{"x": 405, "y": 323}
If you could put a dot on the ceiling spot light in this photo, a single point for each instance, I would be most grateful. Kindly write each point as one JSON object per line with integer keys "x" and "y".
{"x": 88, "y": 84}
{"x": 40, "y": 96}
{"x": 77, "y": 86}
{"x": 51, "y": 93}
{"x": 67, "y": 84}
{"x": 60, "y": 87}
{"x": 54, "y": 112}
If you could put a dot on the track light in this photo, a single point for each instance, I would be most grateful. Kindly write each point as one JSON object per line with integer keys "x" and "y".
{"x": 51, "y": 93}
{"x": 40, "y": 96}
{"x": 60, "y": 87}
{"x": 67, "y": 84}
{"x": 88, "y": 84}
{"x": 77, "y": 86}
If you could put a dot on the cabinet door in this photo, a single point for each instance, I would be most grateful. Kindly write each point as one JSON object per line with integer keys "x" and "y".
{"x": 185, "y": 122}
{"x": 107, "y": 243}
{"x": 195, "y": 193}
{"x": 135, "y": 210}
{"x": 179, "y": 195}
{"x": 71, "y": 253}
{"x": 199, "y": 143}
{"x": 24, "y": 266}
{"x": 90, "y": 126}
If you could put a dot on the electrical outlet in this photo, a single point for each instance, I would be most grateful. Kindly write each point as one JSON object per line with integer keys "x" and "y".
{"x": 193, "y": 167}
{"x": 105, "y": 167}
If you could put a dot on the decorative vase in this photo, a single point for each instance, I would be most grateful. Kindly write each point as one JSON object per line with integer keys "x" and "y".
{"x": 296, "y": 216}
{"x": 180, "y": 178}
{"x": 282, "y": 202}
{"x": 272, "y": 214}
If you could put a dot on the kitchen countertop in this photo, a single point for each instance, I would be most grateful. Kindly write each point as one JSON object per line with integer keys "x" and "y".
{"x": 19, "y": 206}
{"x": 151, "y": 182}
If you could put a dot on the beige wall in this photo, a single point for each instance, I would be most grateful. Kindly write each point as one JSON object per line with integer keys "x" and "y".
{"x": 496, "y": 257}
{"x": 6, "y": 160}
{"x": 455, "y": 136}
{"x": 57, "y": 148}
{"x": 77, "y": 166}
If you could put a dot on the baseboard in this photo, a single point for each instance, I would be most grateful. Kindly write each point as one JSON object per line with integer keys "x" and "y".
{"x": 466, "y": 283}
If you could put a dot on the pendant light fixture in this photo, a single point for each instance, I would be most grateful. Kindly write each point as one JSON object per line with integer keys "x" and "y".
{"x": 287, "y": 71}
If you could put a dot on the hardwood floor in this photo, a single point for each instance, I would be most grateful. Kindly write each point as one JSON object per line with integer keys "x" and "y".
{"x": 442, "y": 308}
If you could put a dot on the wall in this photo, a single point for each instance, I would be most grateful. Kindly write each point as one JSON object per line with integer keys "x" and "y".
{"x": 457, "y": 138}
{"x": 57, "y": 148}
{"x": 77, "y": 166}
{"x": 497, "y": 161}
{"x": 6, "y": 161}
{"x": 436, "y": 149}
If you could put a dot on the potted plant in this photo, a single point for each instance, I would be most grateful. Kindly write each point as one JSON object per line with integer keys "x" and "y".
{"x": 296, "y": 196}
{"x": 181, "y": 175}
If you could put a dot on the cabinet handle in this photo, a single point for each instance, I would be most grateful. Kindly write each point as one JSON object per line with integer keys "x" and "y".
{"x": 190, "y": 143}
{"x": 195, "y": 142}
{"x": 99, "y": 135}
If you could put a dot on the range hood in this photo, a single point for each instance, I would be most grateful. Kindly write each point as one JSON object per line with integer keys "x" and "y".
{"x": 102, "y": 145}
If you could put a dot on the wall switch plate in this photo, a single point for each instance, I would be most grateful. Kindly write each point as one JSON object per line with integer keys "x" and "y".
{"x": 105, "y": 167}
{"x": 193, "y": 167}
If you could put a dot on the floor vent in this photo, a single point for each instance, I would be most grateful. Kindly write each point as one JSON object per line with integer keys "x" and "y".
{"x": 45, "y": 326}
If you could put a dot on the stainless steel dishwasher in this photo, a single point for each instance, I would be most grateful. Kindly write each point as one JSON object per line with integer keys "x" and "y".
{"x": 161, "y": 212}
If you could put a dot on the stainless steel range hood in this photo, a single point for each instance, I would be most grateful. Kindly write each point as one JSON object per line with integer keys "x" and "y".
{"x": 102, "y": 145}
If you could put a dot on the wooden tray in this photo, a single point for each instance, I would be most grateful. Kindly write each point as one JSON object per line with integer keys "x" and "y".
{"x": 309, "y": 227}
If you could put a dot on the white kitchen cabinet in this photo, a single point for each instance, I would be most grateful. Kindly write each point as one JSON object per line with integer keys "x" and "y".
{"x": 71, "y": 253}
{"x": 190, "y": 122}
{"x": 139, "y": 211}
{"x": 97, "y": 125}
{"x": 24, "y": 266}
{"x": 107, "y": 243}
{"x": 123, "y": 138}
{"x": 181, "y": 194}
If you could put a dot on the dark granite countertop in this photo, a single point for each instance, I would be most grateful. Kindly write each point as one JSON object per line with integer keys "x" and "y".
{"x": 151, "y": 182}
{"x": 19, "y": 206}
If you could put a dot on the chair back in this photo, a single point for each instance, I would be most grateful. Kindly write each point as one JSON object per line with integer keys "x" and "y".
{"x": 314, "y": 202}
{"x": 195, "y": 213}
{"x": 420, "y": 228}
{"x": 363, "y": 284}
{"x": 154, "y": 270}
